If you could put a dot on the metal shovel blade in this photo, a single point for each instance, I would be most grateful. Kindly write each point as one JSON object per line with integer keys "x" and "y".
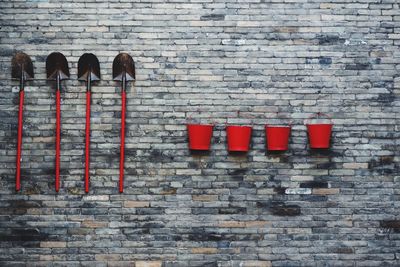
{"x": 57, "y": 64}
{"x": 123, "y": 65}
{"x": 88, "y": 67}
{"x": 21, "y": 67}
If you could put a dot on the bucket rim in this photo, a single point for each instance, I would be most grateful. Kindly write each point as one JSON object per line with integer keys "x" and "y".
{"x": 277, "y": 126}
{"x": 239, "y": 126}
{"x": 309, "y": 124}
{"x": 277, "y": 148}
{"x": 238, "y": 149}
{"x": 199, "y": 124}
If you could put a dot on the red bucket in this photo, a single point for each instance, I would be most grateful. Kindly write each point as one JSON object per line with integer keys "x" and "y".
{"x": 199, "y": 136}
{"x": 238, "y": 138}
{"x": 319, "y": 135}
{"x": 277, "y": 137}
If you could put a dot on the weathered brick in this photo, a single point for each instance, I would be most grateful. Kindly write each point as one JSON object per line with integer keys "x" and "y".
{"x": 136, "y": 204}
{"x": 108, "y": 257}
{"x": 206, "y": 198}
{"x": 53, "y": 244}
{"x": 325, "y": 191}
{"x": 148, "y": 264}
{"x": 232, "y": 224}
{"x": 94, "y": 224}
{"x": 355, "y": 165}
{"x": 256, "y": 264}
{"x": 204, "y": 250}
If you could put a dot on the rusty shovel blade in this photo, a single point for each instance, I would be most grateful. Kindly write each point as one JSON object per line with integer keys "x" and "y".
{"x": 88, "y": 68}
{"x": 57, "y": 65}
{"x": 21, "y": 67}
{"x": 123, "y": 67}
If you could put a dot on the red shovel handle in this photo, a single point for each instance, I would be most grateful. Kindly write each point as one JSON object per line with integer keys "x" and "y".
{"x": 19, "y": 141}
{"x": 58, "y": 138}
{"x": 122, "y": 147}
{"x": 87, "y": 142}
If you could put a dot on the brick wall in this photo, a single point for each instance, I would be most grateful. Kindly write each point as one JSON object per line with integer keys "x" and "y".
{"x": 206, "y": 60}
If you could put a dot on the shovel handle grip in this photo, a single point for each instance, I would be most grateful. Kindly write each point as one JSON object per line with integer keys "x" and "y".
{"x": 19, "y": 140}
{"x": 58, "y": 138}
{"x": 87, "y": 142}
{"x": 122, "y": 146}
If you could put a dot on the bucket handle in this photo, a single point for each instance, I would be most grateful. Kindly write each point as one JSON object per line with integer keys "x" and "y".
{"x": 190, "y": 118}
{"x": 317, "y": 115}
{"x": 290, "y": 121}
{"x": 251, "y": 124}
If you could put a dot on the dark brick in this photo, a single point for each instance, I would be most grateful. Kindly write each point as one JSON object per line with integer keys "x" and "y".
{"x": 242, "y": 171}
{"x": 386, "y": 98}
{"x": 24, "y": 204}
{"x": 285, "y": 210}
{"x": 342, "y": 250}
{"x": 325, "y": 60}
{"x": 330, "y": 40}
{"x": 204, "y": 236}
{"x": 358, "y": 66}
{"x": 232, "y": 210}
{"x": 326, "y": 165}
{"x": 22, "y": 234}
{"x": 393, "y": 224}
{"x": 7, "y": 52}
{"x": 213, "y": 17}
{"x": 280, "y": 209}
{"x": 38, "y": 41}
{"x": 314, "y": 184}
{"x": 384, "y": 163}
{"x": 280, "y": 190}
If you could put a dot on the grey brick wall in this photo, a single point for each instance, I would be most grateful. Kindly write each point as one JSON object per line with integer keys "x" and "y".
{"x": 205, "y": 60}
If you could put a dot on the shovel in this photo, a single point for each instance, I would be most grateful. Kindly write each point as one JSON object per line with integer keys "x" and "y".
{"x": 57, "y": 69}
{"x": 89, "y": 71}
{"x": 22, "y": 69}
{"x": 123, "y": 71}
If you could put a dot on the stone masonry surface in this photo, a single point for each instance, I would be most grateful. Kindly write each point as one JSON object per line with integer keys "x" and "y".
{"x": 205, "y": 60}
